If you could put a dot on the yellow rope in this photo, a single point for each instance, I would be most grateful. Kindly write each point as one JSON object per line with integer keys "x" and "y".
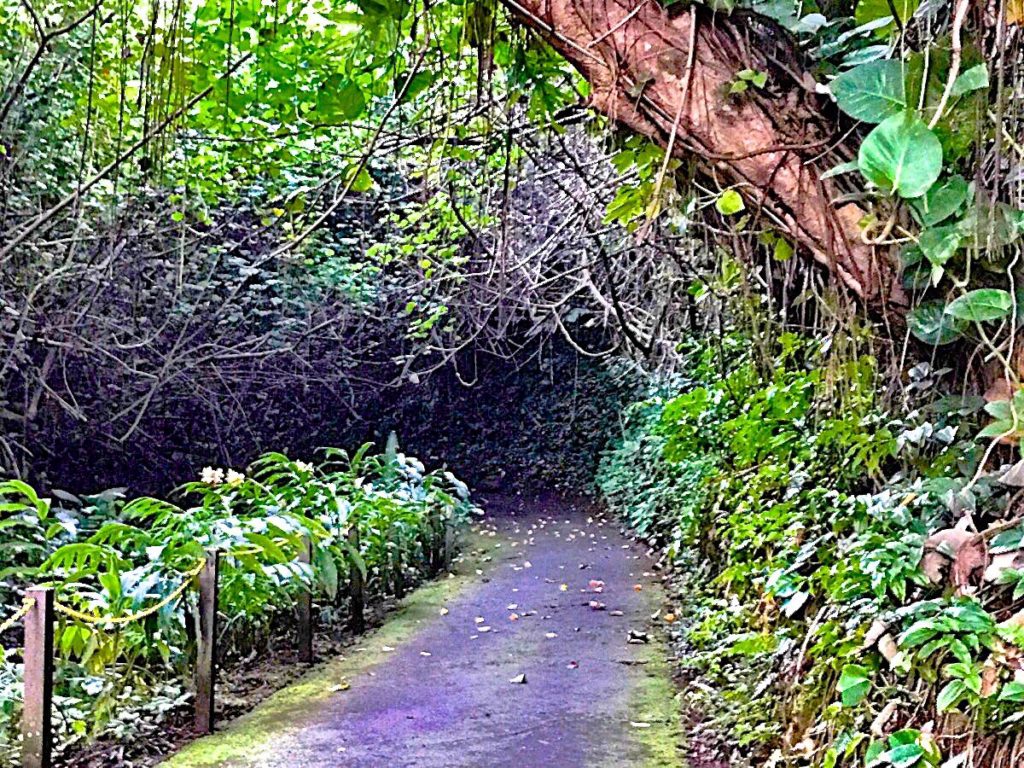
{"x": 27, "y": 605}
{"x": 129, "y": 618}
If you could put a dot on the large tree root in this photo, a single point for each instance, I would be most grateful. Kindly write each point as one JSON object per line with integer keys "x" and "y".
{"x": 667, "y": 76}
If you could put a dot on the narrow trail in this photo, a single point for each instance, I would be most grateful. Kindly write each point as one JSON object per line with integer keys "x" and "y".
{"x": 438, "y": 686}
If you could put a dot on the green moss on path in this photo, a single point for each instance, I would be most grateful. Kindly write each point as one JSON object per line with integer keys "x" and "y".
{"x": 292, "y": 707}
{"x": 655, "y": 702}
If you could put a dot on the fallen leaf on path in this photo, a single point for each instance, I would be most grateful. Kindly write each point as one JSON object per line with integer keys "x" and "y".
{"x": 426, "y": 653}
{"x": 342, "y": 686}
{"x": 563, "y": 587}
{"x": 636, "y": 636}
{"x": 479, "y": 619}
{"x": 483, "y": 629}
{"x": 444, "y": 611}
{"x": 596, "y": 585}
{"x": 597, "y": 606}
{"x": 573, "y": 665}
{"x": 518, "y": 680}
{"x": 638, "y": 587}
{"x": 550, "y": 635}
{"x": 513, "y": 617}
{"x": 641, "y": 725}
{"x": 387, "y": 648}
{"x": 616, "y": 613}
{"x": 669, "y": 618}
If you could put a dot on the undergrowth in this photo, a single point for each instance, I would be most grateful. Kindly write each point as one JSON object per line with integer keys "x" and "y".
{"x": 109, "y": 559}
{"x": 822, "y": 619}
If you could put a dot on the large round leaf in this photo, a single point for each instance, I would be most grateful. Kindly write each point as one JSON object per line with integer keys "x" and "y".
{"x": 930, "y": 323}
{"x": 901, "y": 156}
{"x": 939, "y": 244}
{"x": 981, "y": 305}
{"x": 871, "y": 92}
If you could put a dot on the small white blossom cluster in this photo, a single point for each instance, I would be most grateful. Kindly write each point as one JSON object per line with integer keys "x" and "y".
{"x": 217, "y": 476}
{"x": 303, "y": 466}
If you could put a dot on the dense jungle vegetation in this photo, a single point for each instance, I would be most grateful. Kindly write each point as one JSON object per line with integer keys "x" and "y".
{"x": 747, "y": 271}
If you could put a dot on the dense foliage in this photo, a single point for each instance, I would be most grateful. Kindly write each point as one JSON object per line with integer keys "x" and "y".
{"x": 120, "y": 565}
{"x": 797, "y": 510}
{"x": 228, "y": 226}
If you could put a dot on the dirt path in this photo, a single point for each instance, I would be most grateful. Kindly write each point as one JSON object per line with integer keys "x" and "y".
{"x": 433, "y": 687}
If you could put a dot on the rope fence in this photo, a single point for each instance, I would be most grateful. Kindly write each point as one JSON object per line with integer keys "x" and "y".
{"x": 27, "y": 604}
{"x": 86, "y": 618}
{"x": 40, "y": 608}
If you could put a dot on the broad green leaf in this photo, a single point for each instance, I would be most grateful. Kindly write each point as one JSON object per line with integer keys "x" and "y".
{"x": 729, "y": 202}
{"x": 1012, "y": 691}
{"x": 854, "y": 684}
{"x": 930, "y": 323}
{"x": 942, "y": 201}
{"x": 939, "y": 244}
{"x": 901, "y": 156}
{"x": 905, "y": 755}
{"x": 981, "y": 305}
{"x": 340, "y": 98}
{"x": 871, "y": 92}
{"x": 973, "y": 79}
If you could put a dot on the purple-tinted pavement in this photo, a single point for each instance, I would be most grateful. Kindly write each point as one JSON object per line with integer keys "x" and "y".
{"x": 444, "y": 696}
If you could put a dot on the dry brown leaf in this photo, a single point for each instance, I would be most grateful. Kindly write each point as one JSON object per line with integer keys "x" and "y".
{"x": 970, "y": 563}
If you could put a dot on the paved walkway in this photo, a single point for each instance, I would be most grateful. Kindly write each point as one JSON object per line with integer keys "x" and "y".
{"x": 524, "y": 660}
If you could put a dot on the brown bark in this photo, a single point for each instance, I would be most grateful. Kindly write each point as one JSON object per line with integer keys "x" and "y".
{"x": 667, "y": 75}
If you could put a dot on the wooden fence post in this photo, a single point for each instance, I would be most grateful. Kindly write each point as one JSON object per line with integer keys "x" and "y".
{"x": 36, "y": 731}
{"x": 397, "y": 577}
{"x": 356, "y": 588}
{"x": 206, "y": 656}
{"x": 305, "y": 609}
{"x": 449, "y": 542}
{"x": 436, "y": 542}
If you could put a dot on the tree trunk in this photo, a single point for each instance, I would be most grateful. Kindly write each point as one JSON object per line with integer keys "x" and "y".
{"x": 667, "y": 74}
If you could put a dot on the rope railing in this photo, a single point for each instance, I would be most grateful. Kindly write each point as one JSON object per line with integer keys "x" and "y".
{"x": 86, "y": 618}
{"x": 27, "y": 604}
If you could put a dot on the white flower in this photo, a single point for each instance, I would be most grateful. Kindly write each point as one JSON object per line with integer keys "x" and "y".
{"x": 212, "y": 476}
{"x": 303, "y": 466}
{"x": 235, "y": 478}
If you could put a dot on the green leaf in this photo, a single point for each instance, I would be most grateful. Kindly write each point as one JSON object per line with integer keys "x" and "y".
{"x": 981, "y": 305}
{"x": 939, "y": 244}
{"x": 973, "y": 79}
{"x": 905, "y": 755}
{"x": 950, "y": 695}
{"x": 1012, "y": 691}
{"x": 930, "y": 323}
{"x": 729, "y": 202}
{"x": 868, "y": 11}
{"x": 901, "y": 156}
{"x": 871, "y": 92}
{"x": 854, "y": 684}
{"x": 340, "y": 98}
{"x": 840, "y": 169}
{"x": 942, "y": 201}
